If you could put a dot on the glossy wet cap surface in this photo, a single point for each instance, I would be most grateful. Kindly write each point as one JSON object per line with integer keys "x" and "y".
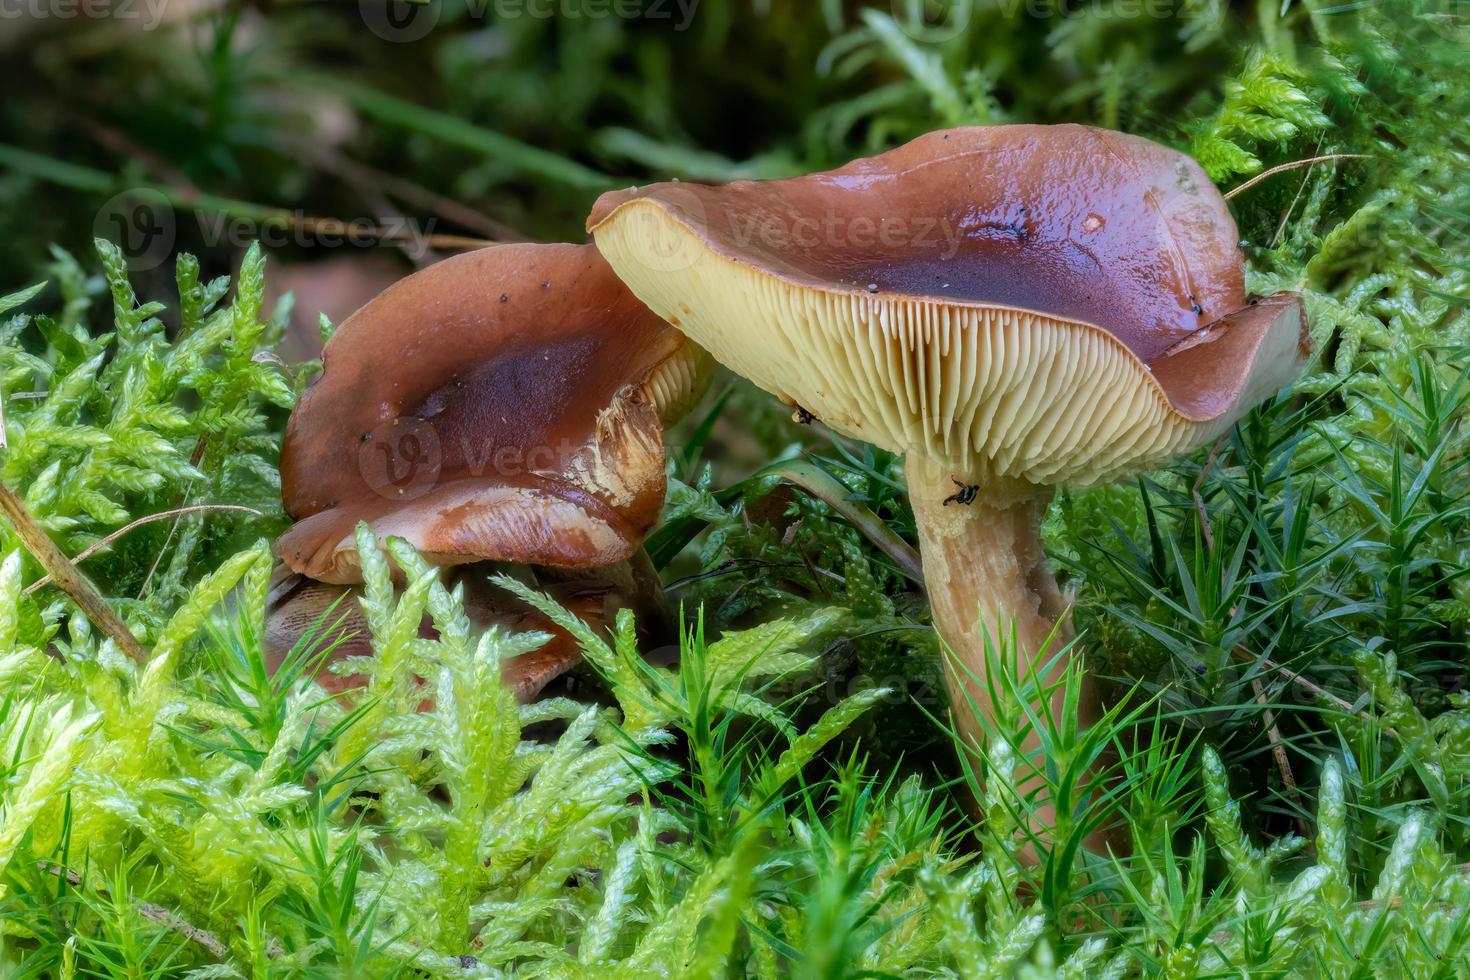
{"x": 1081, "y": 223}
{"x": 501, "y": 405}
{"x": 995, "y": 297}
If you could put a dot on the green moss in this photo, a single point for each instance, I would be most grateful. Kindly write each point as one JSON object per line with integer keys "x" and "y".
{"x": 777, "y": 804}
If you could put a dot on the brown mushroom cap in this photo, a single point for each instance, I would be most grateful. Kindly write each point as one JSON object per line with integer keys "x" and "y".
{"x": 505, "y": 404}
{"x": 1049, "y": 303}
{"x": 333, "y": 619}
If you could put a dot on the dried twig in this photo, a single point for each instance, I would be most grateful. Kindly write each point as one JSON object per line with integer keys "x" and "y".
{"x": 85, "y": 178}
{"x": 1294, "y": 165}
{"x": 92, "y": 549}
{"x": 61, "y": 570}
{"x": 1199, "y": 500}
{"x": 179, "y": 184}
{"x": 1242, "y": 654}
{"x": 157, "y": 913}
{"x": 1278, "y": 751}
{"x": 337, "y": 164}
{"x": 337, "y": 228}
{"x": 171, "y": 919}
{"x": 122, "y": 144}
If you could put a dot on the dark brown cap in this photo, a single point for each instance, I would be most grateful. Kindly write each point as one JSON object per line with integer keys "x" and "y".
{"x": 1048, "y": 303}
{"x": 506, "y": 404}
{"x": 326, "y": 623}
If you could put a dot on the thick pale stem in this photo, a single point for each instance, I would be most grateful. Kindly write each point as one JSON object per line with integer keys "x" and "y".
{"x": 985, "y": 571}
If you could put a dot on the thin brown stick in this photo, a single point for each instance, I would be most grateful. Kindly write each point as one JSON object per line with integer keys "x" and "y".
{"x": 150, "y": 910}
{"x": 388, "y": 213}
{"x": 164, "y": 515}
{"x": 1278, "y": 751}
{"x": 1294, "y": 165}
{"x": 65, "y": 574}
{"x": 339, "y": 165}
{"x": 119, "y": 142}
{"x": 1242, "y": 654}
{"x": 1290, "y": 208}
{"x": 1199, "y": 500}
{"x": 180, "y": 184}
{"x": 338, "y": 228}
{"x": 200, "y": 445}
{"x": 171, "y": 919}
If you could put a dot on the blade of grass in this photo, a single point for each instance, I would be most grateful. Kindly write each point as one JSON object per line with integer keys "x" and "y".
{"x": 443, "y": 126}
{"x": 834, "y": 494}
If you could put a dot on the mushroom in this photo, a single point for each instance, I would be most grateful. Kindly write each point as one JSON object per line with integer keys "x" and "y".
{"x": 333, "y": 620}
{"x": 1012, "y": 307}
{"x": 504, "y": 405}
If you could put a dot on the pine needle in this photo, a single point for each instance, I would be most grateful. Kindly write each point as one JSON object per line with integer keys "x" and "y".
{"x": 1293, "y": 165}
{"x": 150, "y": 519}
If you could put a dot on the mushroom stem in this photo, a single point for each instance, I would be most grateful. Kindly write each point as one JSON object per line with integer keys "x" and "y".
{"x": 986, "y": 571}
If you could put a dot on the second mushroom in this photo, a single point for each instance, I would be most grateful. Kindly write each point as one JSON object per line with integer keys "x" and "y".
{"x": 504, "y": 405}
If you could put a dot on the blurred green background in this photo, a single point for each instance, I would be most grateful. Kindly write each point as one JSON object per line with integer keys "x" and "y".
{"x": 503, "y": 119}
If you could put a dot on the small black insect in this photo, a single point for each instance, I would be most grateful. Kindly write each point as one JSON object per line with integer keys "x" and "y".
{"x": 964, "y": 495}
{"x": 802, "y": 417}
